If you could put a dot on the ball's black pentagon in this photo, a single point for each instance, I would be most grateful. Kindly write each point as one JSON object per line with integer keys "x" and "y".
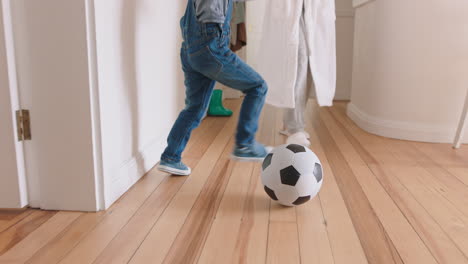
{"x": 302, "y": 200}
{"x": 318, "y": 172}
{"x": 271, "y": 193}
{"x": 296, "y": 148}
{"x": 289, "y": 176}
{"x": 267, "y": 161}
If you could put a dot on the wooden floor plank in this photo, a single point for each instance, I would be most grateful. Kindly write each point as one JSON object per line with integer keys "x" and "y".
{"x": 9, "y": 214}
{"x": 434, "y": 237}
{"x": 374, "y": 239}
{"x": 279, "y": 249}
{"x": 246, "y": 239}
{"x": 123, "y": 246}
{"x": 252, "y": 241}
{"x": 174, "y": 216}
{"x": 165, "y": 231}
{"x": 252, "y": 237}
{"x": 57, "y": 248}
{"x": 9, "y": 218}
{"x": 22, "y": 251}
{"x": 313, "y": 235}
{"x": 95, "y": 241}
{"x": 408, "y": 243}
{"x": 438, "y": 177}
{"x": 460, "y": 173}
{"x": 283, "y": 238}
{"x": 344, "y": 241}
{"x": 452, "y": 221}
{"x": 189, "y": 242}
{"x": 221, "y": 241}
{"x": 448, "y": 186}
{"x": 342, "y": 236}
{"x": 444, "y": 153}
{"x": 10, "y": 237}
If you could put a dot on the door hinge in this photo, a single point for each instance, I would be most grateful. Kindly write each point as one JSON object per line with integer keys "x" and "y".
{"x": 23, "y": 125}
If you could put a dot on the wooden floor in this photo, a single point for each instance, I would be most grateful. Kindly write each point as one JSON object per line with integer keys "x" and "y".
{"x": 383, "y": 201}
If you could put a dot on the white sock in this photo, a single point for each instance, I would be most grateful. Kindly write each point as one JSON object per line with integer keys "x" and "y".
{"x": 299, "y": 138}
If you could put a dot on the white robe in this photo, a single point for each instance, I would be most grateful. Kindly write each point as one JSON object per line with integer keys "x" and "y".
{"x": 278, "y": 52}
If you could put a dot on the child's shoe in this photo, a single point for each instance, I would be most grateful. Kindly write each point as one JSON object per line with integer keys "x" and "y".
{"x": 174, "y": 168}
{"x": 254, "y": 152}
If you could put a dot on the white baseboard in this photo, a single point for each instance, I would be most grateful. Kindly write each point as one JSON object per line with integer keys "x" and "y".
{"x": 132, "y": 171}
{"x": 399, "y": 129}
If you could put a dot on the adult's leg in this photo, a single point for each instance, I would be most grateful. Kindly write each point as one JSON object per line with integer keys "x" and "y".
{"x": 293, "y": 118}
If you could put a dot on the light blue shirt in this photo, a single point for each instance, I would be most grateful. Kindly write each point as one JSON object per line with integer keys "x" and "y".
{"x": 211, "y": 11}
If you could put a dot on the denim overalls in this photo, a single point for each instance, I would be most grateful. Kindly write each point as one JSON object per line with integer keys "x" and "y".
{"x": 207, "y": 59}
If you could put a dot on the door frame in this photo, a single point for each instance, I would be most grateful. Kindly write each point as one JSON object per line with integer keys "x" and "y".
{"x": 16, "y": 188}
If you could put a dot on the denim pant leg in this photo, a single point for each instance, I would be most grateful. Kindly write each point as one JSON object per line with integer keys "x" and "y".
{"x": 246, "y": 80}
{"x": 227, "y": 68}
{"x": 198, "y": 92}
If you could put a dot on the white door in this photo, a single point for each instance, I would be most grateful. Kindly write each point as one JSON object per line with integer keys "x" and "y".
{"x": 49, "y": 47}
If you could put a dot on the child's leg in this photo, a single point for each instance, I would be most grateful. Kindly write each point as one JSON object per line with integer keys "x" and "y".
{"x": 198, "y": 92}
{"x": 235, "y": 73}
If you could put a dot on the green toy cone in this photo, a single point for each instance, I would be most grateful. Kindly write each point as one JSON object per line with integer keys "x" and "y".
{"x": 216, "y": 107}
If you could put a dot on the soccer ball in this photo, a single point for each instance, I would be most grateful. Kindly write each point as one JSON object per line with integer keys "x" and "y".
{"x": 292, "y": 174}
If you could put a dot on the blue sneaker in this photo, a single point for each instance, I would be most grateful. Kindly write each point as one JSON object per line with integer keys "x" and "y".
{"x": 255, "y": 152}
{"x": 174, "y": 168}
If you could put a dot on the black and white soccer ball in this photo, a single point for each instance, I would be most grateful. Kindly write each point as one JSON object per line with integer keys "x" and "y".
{"x": 292, "y": 174}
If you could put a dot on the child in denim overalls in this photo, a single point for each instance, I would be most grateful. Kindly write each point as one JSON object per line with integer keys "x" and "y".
{"x": 206, "y": 59}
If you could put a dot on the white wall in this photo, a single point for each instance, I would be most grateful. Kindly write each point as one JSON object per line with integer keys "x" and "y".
{"x": 344, "y": 34}
{"x": 410, "y": 68}
{"x": 255, "y": 11}
{"x": 344, "y": 48}
{"x": 141, "y": 88}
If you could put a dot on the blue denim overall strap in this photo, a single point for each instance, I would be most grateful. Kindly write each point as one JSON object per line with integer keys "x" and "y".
{"x": 193, "y": 30}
